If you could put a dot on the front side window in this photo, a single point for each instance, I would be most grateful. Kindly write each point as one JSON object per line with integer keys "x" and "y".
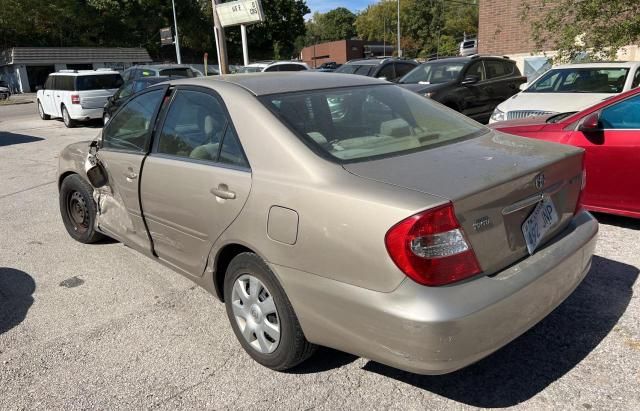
{"x": 359, "y": 123}
{"x": 581, "y": 80}
{"x": 433, "y": 73}
{"x": 623, "y": 115}
{"x": 194, "y": 127}
{"x": 130, "y": 129}
{"x": 99, "y": 82}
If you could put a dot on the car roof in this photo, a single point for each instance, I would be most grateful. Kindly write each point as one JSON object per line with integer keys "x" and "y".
{"x": 76, "y": 73}
{"x": 261, "y": 84}
{"x": 610, "y": 64}
{"x": 159, "y": 66}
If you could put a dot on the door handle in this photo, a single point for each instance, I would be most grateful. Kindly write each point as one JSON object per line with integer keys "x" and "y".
{"x": 223, "y": 192}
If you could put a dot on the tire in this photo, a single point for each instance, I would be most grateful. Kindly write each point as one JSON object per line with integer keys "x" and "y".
{"x": 78, "y": 209}
{"x": 68, "y": 121}
{"x": 41, "y": 112}
{"x": 292, "y": 348}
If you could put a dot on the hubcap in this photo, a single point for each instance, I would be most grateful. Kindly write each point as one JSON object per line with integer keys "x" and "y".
{"x": 255, "y": 314}
{"x": 78, "y": 213}
{"x": 65, "y": 115}
{"x": 40, "y": 110}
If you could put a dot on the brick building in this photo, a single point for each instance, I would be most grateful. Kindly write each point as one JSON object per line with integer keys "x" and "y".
{"x": 342, "y": 51}
{"x": 502, "y": 31}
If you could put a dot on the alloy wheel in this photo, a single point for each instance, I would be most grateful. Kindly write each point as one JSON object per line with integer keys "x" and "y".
{"x": 255, "y": 313}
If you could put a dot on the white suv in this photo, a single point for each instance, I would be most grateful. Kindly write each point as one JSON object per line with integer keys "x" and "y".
{"x": 77, "y": 95}
{"x": 268, "y": 66}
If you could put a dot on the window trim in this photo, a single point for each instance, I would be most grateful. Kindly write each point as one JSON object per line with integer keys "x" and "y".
{"x": 229, "y": 123}
{"x": 153, "y": 122}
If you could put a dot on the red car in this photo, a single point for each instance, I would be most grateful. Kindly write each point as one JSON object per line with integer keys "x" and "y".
{"x": 610, "y": 134}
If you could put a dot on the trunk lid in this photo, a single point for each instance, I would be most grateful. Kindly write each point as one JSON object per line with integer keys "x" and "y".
{"x": 491, "y": 181}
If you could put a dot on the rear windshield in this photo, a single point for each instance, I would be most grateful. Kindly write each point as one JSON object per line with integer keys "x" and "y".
{"x": 581, "y": 80}
{"x": 362, "y": 69}
{"x": 361, "y": 123}
{"x": 433, "y": 73}
{"x": 98, "y": 82}
{"x": 178, "y": 72}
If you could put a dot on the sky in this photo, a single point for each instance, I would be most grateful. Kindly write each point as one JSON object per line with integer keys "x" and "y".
{"x": 325, "y": 5}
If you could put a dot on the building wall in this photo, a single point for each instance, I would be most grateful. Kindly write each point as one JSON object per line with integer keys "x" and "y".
{"x": 317, "y": 54}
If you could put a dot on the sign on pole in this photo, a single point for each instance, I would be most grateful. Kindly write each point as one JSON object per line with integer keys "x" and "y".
{"x": 166, "y": 36}
{"x": 240, "y": 12}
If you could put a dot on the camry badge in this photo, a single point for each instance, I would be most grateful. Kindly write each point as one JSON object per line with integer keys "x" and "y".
{"x": 539, "y": 181}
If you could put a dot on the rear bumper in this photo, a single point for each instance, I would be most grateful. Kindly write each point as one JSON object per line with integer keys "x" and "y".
{"x": 438, "y": 330}
{"x": 79, "y": 113}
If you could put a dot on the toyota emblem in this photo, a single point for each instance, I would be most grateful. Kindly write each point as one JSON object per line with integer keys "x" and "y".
{"x": 539, "y": 181}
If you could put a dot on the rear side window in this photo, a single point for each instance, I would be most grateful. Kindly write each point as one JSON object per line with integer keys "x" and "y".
{"x": 495, "y": 69}
{"x": 387, "y": 72}
{"x": 130, "y": 129}
{"x": 65, "y": 83}
{"x": 403, "y": 68}
{"x": 194, "y": 127}
{"x": 49, "y": 83}
{"x": 99, "y": 82}
{"x": 231, "y": 152}
{"x": 476, "y": 69}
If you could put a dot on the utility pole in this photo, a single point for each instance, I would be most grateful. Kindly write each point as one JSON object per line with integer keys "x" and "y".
{"x": 177, "y": 40}
{"x": 221, "y": 41}
{"x": 399, "y": 49}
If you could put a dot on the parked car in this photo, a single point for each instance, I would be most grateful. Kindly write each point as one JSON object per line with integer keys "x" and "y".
{"x": 157, "y": 70}
{"x": 469, "y": 47}
{"x": 609, "y": 132}
{"x": 400, "y": 231}
{"x": 474, "y": 86}
{"x": 571, "y": 87}
{"x": 388, "y": 68}
{"x": 77, "y": 95}
{"x": 5, "y": 93}
{"x": 269, "y": 66}
{"x": 127, "y": 90}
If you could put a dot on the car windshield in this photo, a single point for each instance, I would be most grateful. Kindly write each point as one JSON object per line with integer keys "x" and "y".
{"x": 98, "y": 82}
{"x": 360, "y": 123}
{"x": 581, "y": 80}
{"x": 178, "y": 72}
{"x": 433, "y": 73}
{"x": 361, "y": 69}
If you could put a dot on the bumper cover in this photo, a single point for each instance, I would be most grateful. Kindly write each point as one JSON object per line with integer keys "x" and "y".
{"x": 78, "y": 113}
{"x": 438, "y": 330}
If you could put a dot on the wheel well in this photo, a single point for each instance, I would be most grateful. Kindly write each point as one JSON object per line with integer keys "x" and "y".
{"x": 223, "y": 259}
{"x": 63, "y": 176}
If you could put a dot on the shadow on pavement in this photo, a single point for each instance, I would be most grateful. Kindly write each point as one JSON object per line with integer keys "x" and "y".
{"x": 8, "y": 139}
{"x": 545, "y": 353}
{"x": 324, "y": 359}
{"x": 16, "y": 288}
{"x": 618, "y": 221}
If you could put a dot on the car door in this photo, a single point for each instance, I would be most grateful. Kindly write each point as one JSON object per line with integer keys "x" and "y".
{"x": 613, "y": 155}
{"x": 64, "y": 87}
{"x": 498, "y": 85}
{"x": 47, "y": 95}
{"x": 125, "y": 142}
{"x": 474, "y": 99}
{"x": 196, "y": 180}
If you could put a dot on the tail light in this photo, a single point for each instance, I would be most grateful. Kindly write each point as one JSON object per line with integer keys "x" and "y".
{"x": 75, "y": 99}
{"x": 431, "y": 248}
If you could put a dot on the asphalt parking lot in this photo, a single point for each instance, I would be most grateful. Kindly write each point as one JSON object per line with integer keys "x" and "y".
{"x": 100, "y": 326}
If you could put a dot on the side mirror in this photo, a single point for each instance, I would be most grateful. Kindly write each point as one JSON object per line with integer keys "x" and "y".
{"x": 591, "y": 123}
{"x": 523, "y": 86}
{"x": 470, "y": 80}
{"x": 96, "y": 173}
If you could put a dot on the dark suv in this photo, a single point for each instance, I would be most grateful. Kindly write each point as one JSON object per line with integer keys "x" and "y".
{"x": 386, "y": 68}
{"x": 472, "y": 85}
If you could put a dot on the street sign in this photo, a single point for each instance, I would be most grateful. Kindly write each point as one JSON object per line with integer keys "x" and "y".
{"x": 166, "y": 36}
{"x": 240, "y": 12}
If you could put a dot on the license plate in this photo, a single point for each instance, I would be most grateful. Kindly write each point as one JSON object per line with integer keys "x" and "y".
{"x": 538, "y": 223}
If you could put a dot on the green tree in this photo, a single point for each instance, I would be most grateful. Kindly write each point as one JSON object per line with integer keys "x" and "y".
{"x": 597, "y": 27}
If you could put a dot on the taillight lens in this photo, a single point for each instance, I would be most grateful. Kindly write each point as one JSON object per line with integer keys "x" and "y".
{"x": 75, "y": 99}
{"x": 431, "y": 248}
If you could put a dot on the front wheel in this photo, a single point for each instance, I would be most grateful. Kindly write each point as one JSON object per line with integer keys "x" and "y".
{"x": 66, "y": 118}
{"x": 78, "y": 209}
{"x": 42, "y": 113}
{"x": 261, "y": 315}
